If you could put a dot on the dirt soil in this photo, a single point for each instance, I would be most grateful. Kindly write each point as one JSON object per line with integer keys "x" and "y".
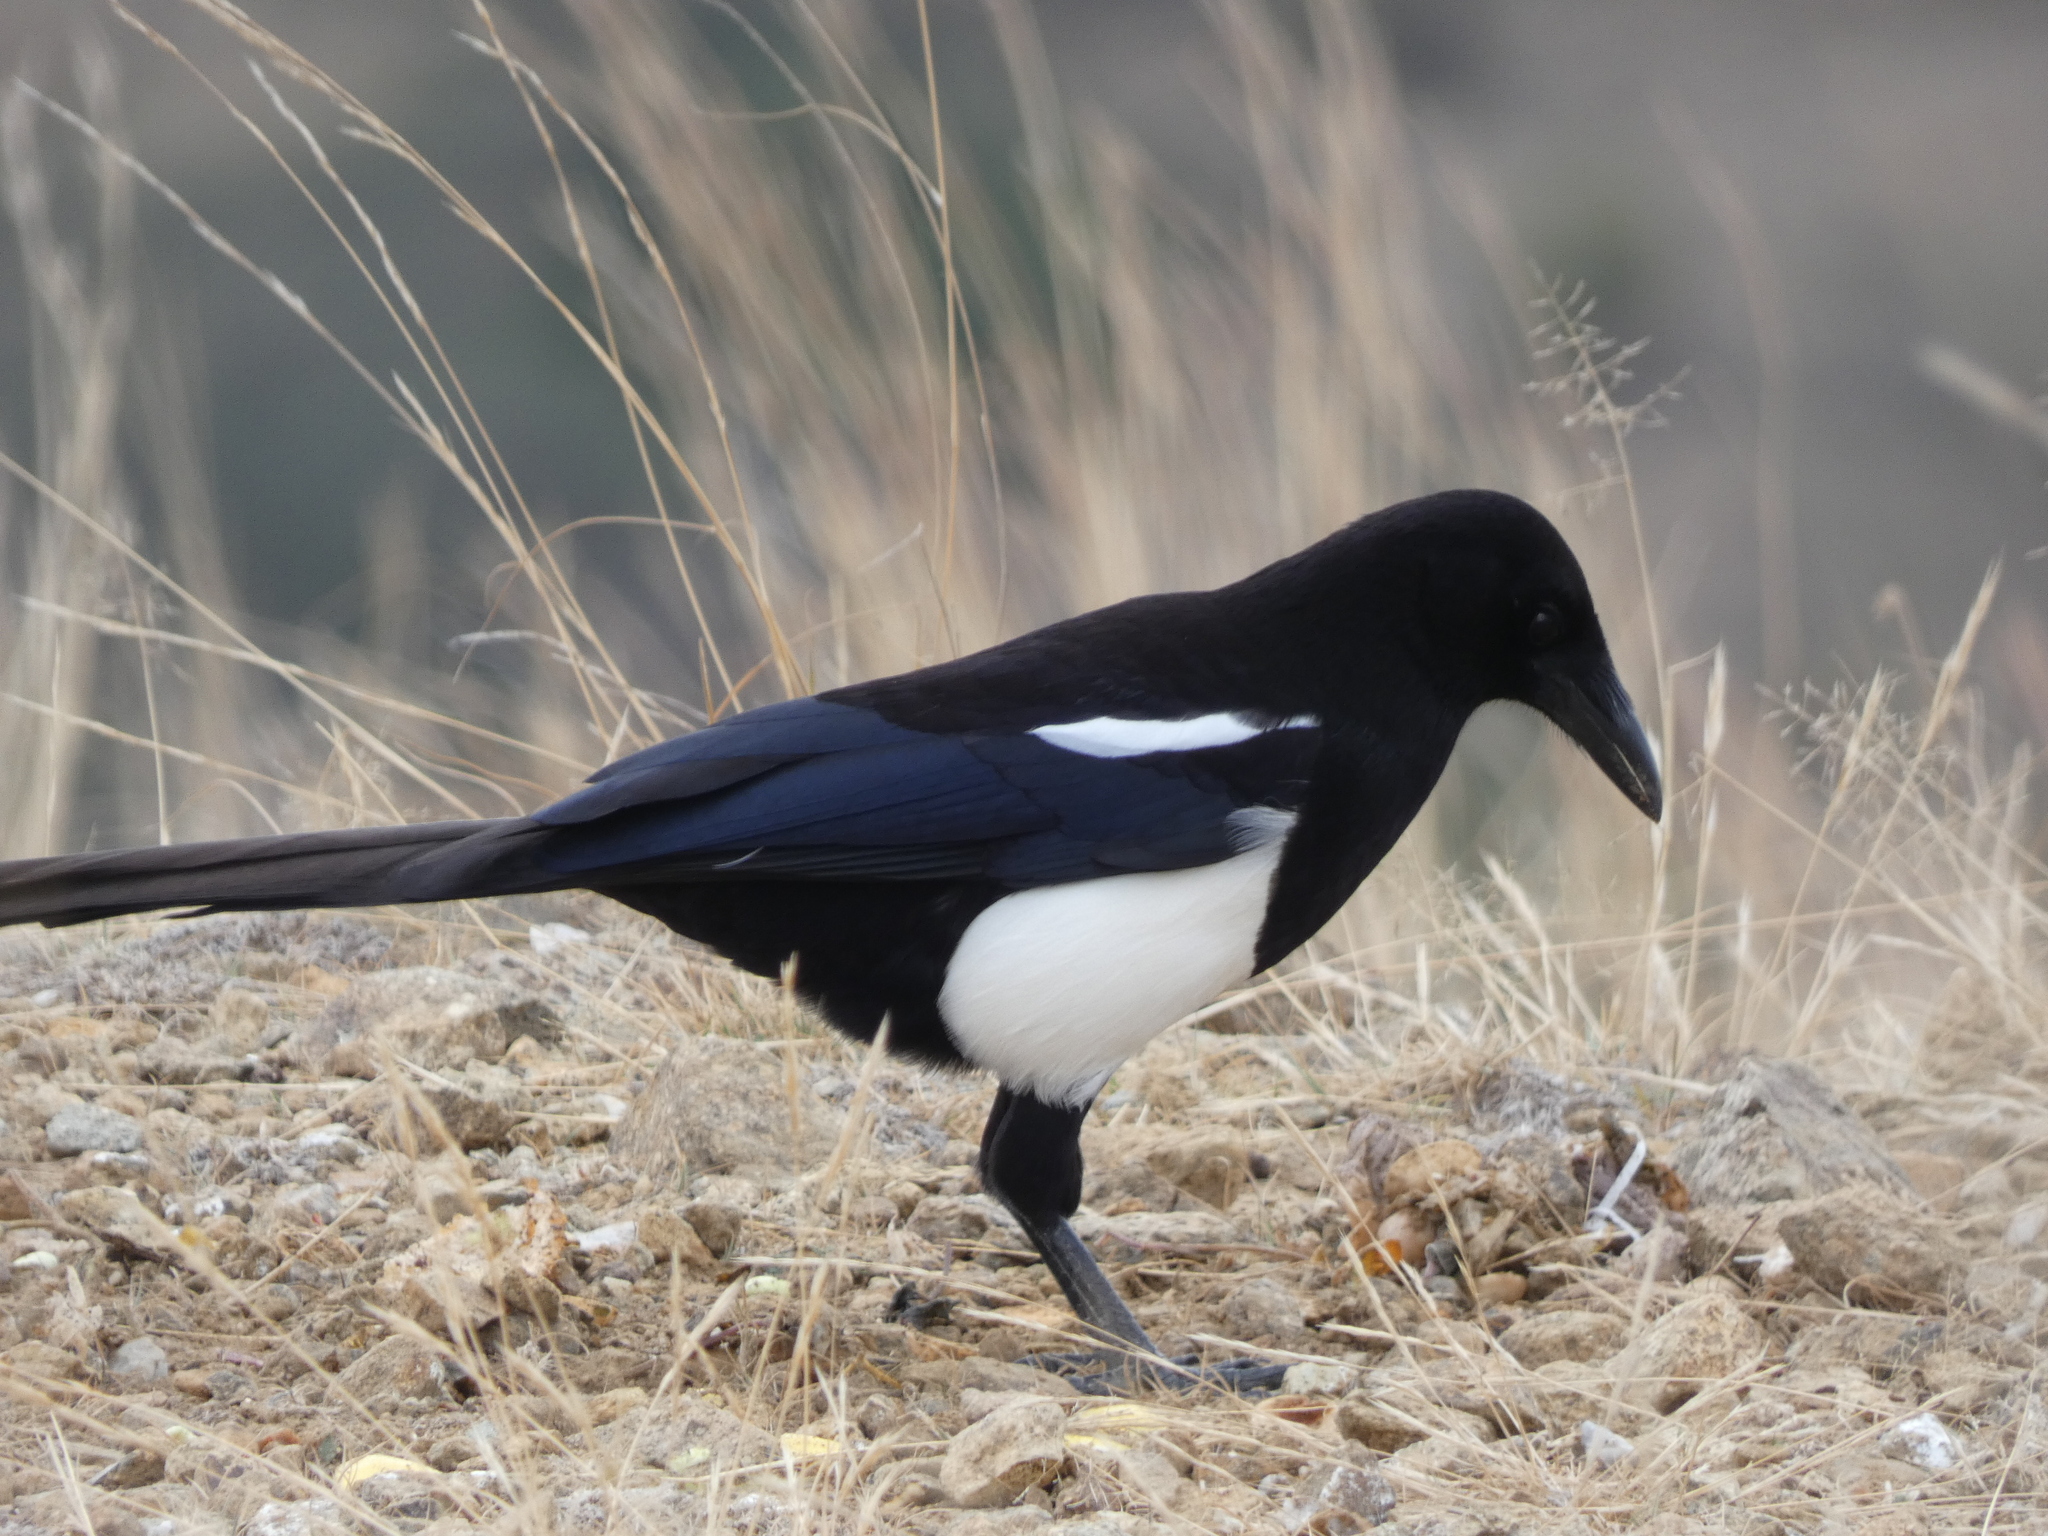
{"x": 324, "y": 1223}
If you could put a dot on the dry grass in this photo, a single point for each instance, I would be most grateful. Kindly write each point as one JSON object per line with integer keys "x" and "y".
{"x": 889, "y": 405}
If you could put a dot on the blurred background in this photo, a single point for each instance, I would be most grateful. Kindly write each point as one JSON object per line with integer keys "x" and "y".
{"x": 1226, "y": 276}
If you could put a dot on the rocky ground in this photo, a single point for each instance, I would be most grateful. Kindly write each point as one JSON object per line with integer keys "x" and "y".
{"x": 542, "y": 1223}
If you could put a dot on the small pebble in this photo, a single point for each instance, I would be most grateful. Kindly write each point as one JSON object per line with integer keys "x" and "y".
{"x": 142, "y": 1357}
{"x": 1499, "y": 1290}
{"x": 616, "y": 1237}
{"x": 1603, "y": 1447}
{"x": 1320, "y": 1378}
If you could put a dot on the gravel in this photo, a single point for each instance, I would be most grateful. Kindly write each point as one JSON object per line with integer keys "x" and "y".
{"x": 260, "y": 1278}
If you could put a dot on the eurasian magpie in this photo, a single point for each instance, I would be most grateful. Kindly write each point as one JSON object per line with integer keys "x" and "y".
{"x": 1035, "y": 858}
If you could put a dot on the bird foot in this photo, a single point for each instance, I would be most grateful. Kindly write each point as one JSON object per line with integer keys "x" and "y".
{"x": 1102, "y": 1373}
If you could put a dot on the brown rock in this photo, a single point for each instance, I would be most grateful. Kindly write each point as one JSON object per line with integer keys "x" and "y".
{"x": 719, "y": 1225}
{"x": 668, "y": 1236}
{"x": 1690, "y": 1348}
{"x": 437, "y": 1117}
{"x": 1576, "y": 1336}
{"x": 1499, "y": 1290}
{"x": 719, "y": 1106}
{"x": 1019, "y": 1446}
{"x": 1211, "y": 1163}
{"x": 1443, "y": 1171}
{"x": 1775, "y": 1131}
{"x": 1870, "y": 1247}
{"x": 1372, "y": 1424}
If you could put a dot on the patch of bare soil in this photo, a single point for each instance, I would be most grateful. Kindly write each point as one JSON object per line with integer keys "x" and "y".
{"x": 314, "y": 1224}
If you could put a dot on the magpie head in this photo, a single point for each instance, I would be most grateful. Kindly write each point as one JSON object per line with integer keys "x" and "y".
{"x": 1502, "y": 611}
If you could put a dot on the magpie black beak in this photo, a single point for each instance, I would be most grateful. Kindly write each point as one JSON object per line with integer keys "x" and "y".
{"x": 1586, "y": 701}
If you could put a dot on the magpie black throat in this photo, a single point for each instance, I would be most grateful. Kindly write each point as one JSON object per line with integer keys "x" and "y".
{"x": 1031, "y": 860}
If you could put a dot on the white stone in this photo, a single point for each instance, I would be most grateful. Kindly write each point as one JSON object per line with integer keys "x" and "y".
{"x": 1923, "y": 1440}
{"x": 616, "y": 1237}
{"x": 1603, "y": 1447}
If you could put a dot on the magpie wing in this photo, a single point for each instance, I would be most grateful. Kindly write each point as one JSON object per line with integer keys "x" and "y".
{"x": 820, "y": 790}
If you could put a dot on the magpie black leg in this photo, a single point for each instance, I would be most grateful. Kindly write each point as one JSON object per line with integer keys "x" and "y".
{"x": 1031, "y": 1161}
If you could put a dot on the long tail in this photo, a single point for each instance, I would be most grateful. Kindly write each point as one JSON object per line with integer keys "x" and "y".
{"x": 358, "y": 867}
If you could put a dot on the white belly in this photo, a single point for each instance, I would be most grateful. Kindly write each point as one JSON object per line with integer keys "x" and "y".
{"x": 1052, "y": 989}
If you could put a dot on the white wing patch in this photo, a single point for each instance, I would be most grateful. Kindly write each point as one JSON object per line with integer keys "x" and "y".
{"x": 1111, "y": 736}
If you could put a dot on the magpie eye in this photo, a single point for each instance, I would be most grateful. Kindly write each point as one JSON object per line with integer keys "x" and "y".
{"x": 1546, "y": 627}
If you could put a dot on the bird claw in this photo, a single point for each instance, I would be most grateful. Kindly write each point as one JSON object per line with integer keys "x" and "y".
{"x": 1100, "y": 1373}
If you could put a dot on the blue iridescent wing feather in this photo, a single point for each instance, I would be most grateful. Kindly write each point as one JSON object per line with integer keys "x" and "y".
{"x": 819, "y": 790}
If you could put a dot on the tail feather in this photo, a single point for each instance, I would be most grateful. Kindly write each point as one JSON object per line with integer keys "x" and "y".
{"x": 356, "y": 867}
